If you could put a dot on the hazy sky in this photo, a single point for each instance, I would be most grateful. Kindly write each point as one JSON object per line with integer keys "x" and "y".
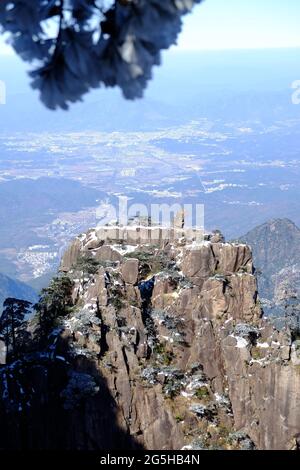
{"x": 230, "y": 24}
{"x": 227, "y": 24}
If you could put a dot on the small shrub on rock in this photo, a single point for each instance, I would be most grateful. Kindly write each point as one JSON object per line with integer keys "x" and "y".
{"x": 79, "y": 387}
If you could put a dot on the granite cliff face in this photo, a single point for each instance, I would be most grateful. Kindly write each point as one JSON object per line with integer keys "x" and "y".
{"x": 165, "y": 348}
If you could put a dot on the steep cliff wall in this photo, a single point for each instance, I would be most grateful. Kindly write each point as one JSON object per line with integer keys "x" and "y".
{"x": 165, "y": 349}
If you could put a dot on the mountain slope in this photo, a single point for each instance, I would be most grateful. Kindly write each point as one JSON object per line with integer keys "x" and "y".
{"x": 13, "y": 288}
{"x": 48, "y": 196}
{"x": 276, "y": 254}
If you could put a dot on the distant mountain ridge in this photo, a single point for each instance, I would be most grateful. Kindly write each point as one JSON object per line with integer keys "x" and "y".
{"x": 13, "y": 288}
{"x": 276, "y": 254}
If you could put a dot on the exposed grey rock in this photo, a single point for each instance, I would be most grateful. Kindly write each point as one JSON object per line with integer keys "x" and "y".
{"x": 130, "y": 271}
{"x": 247, "y": 331}
{"x": 204, "y": 411}
{"x": 242, "y": 439}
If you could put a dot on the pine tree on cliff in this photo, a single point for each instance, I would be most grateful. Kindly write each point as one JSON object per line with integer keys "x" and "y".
{"x": 55, "y": 301}
{"x": 84, "y": 44}
{"x": 88, "y": 266}
{"x": 12, "y": 322}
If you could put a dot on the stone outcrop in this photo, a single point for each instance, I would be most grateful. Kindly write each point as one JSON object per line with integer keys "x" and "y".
{"x": 130, "y": 271}
{"x": 101, "y": 238}
{"x": 172, "y": 339}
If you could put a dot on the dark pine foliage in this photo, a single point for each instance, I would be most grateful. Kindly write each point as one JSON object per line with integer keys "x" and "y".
{"x": 55, "y": 301}
{"x": 12, "y": 325}
{"x": 76, "y": 45}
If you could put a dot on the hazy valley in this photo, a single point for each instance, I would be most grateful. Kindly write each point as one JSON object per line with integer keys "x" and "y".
{"x": 231, "y": 145}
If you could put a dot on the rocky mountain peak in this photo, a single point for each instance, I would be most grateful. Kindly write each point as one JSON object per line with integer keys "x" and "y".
{"x": 165, "y": 347}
